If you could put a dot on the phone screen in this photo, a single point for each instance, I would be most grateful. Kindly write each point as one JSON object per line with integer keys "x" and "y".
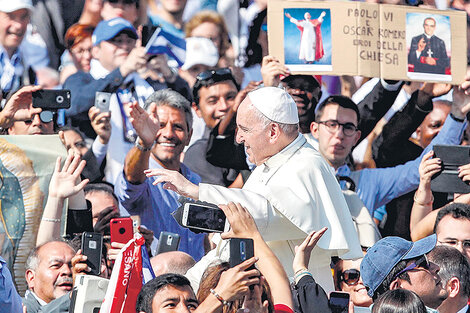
{"x": 206, "y": 218}
{"x": 339, "y": 302}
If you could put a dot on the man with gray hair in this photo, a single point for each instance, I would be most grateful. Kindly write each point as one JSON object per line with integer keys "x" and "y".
{"x": 455, "y": 274}
{"x": 291, "y": 192}
{"x": 164, "y": 127}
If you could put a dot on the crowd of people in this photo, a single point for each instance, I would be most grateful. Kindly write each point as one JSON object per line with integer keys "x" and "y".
{"x": 330, "y": 177}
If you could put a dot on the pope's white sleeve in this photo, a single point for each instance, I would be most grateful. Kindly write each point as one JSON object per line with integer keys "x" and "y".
{"x": 271, "y": 223}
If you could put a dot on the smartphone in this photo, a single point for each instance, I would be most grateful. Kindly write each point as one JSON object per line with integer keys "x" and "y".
{"x": 121, "y": 229}
{"x": 168, "y": 242}
{"x": 78, "y": 221}
{"x": 88, "y": 294}
{"x": 339, "y": 302}
{"x": 241, "y": 249}
{"x": 92, "y": 245}
{"x": 102, "y": 101}
{"x": 51, "y": 99}
{"x": 448, "y": 180}
{"x": 147, "y": 32}
{"x": 203, "y": 217}
{"x": 135, "y": 222}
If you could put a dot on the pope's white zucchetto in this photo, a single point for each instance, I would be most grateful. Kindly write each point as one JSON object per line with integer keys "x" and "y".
{"x": 276, "y": 104}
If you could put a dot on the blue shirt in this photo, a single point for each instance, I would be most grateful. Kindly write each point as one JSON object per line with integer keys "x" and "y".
{"x": 10, "y": 300}
{"x": 378, "y": 186}
{"x": 12, "y": 79}
{"x": 154, "y": 204}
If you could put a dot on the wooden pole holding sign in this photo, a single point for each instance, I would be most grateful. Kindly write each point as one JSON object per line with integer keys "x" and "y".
{"x": 373, "y": 40}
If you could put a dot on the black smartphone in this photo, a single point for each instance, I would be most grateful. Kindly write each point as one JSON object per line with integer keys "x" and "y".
{"x": 241, "y": 249}
{"x": 147, "y": 32}
{"x": 92, "y": 244}
{"x": 78, "y": 221}
{"x": 51, "y": 99}
{"x": 204, "y": 217}
{"x": 102, "y": 101}
{"x": 448, "y": 180}
{"x": 168, "y": 242}
{"x": 339, "y": 302}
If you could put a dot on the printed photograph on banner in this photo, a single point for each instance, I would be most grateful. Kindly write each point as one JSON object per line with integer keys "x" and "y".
{"x": 307, "y": 39}
{"x": 428, "y": 40}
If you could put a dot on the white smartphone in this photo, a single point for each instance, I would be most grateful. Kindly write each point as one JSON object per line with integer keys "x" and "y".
{"x": 102, "y": 101}
{"x": 205, "y": 218}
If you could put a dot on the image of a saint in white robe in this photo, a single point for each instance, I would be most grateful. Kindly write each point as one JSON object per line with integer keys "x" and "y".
{"x": 311, "y": 44}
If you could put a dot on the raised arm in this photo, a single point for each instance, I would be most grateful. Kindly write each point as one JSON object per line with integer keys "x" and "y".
{"x": 19, "y": 107}
{"x": 64, "y": 183}
{"x": 146, "y": 125}
{"x": 243, "y": 226}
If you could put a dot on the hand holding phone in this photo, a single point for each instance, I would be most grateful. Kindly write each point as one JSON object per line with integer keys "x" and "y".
{"x": 121, "y": 229}
{"x": 204, "y": 217}
{"x": 92, "y": 245}
{"x": 49, "y": 99}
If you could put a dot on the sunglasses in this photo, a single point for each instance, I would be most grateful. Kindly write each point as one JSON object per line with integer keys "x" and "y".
{"x": 422, "y": 262}
{"x": 210, "y": 77}
{"x": 350, "y": 277}
{"x": 44, "y": 116}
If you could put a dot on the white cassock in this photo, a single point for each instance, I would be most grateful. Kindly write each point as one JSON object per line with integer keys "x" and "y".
{"x": 292, "y": 194}
{"x": 307, "y": 40}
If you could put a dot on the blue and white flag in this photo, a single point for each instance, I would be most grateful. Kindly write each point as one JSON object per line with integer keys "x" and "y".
{"x": 163, "y": 42}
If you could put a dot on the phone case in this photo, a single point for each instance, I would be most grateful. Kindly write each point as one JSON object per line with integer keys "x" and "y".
{"x": 208, "y": 221}
{"x": 448, "y": 180}
{"x": 102, "y": 101}
{"x": 241, "y": 249}
{"x": 121, "y": 229}
{"x": 51, "y": 99}
{"x": 168, "y": 242}
{"x": 92, "y": 244}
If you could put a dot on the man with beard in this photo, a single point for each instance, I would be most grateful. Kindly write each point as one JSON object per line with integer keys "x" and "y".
{"x": 164, "y": 128}
{"x": 49, "y": 277}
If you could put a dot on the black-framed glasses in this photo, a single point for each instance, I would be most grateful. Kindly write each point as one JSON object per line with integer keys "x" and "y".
{"x": 455, "y": 242}
{"x": 44, "y": 116}
{"x": 332, "y": 126}
{"x": 351, "y": 277}
{"x": 421, "y": 262}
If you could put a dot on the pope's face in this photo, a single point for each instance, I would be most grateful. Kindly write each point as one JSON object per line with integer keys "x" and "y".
{"x": 252, "y": 133}
{"x": 429, "y": 27}
{"x": 307, "y": 16}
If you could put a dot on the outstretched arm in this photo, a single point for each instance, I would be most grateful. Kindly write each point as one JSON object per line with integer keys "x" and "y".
{"x": 64, "y": 183}
{"x": 175, "y": 181}
{"x": 243, "y": 226}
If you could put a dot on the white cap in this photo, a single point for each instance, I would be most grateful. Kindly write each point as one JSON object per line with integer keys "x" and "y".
{"x": 200, "y": 50}
{"x": 8, "y": 6}
{"x": 276, "y": 104}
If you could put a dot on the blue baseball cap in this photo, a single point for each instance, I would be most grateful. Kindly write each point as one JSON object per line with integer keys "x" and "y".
{"x": 106, "y": 30}
{"x": 382, "y": 257}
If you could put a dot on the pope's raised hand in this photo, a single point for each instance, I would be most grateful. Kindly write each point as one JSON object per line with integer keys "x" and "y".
{"x": 173, "y": 180}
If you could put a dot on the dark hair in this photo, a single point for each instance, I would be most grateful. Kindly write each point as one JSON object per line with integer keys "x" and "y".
{"x": 452, "y": 263}
{"x": 103, "y": 187}
{"x": 342, "y": 101}
{"x": 385, "y": 285}
{"x": 148, "y": 291}
{"x": 75, "y": 129}
{"x": 77, "y": 33}
{"x": 456, "y": 210}
{"x": 399, "y": 301}
{"x": 211, "y": 278}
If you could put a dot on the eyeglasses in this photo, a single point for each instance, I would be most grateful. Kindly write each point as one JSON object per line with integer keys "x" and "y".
{"x": 454, "y": 243}
{"x": 351, "y": 277}
{"x": 421, "y": 262}
{"x": 44, "y": 116}
{"x": 332, "y": 126}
